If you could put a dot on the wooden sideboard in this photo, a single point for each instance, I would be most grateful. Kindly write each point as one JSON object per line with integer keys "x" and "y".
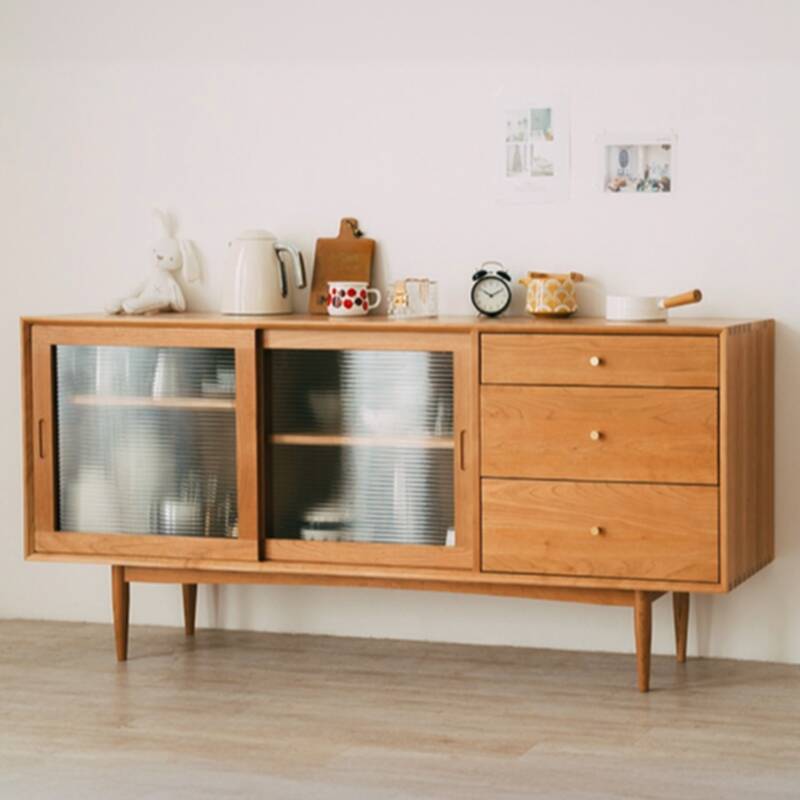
{"x": 577, "y": 460}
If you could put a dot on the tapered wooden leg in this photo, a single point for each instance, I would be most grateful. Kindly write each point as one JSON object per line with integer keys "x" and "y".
{"x": 680, "y": 613}
{"x": 120, "y": 600}
{"x": 189, "y": 606}
{"x": 643, "y": 624}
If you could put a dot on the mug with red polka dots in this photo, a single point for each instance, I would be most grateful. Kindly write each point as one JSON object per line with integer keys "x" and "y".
{"x": 351, "y": 298}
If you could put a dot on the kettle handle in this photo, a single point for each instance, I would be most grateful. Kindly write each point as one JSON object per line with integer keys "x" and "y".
{"x": 297, "y": 258}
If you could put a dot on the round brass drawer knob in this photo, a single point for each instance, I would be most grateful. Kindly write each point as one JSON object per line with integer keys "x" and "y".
{"x": 595, "y": 436}
{"x": 595, "y": 361}
{"x": 596, "y": 530}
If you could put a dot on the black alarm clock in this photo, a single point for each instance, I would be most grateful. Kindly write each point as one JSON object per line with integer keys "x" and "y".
{"x": 491, "y": 290}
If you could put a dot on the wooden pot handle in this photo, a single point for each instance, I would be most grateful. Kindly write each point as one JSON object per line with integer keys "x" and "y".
{"x": 685, "y": 299}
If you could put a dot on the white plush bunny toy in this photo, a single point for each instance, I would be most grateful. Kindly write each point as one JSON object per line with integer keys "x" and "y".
{"x": 161, "y": 292}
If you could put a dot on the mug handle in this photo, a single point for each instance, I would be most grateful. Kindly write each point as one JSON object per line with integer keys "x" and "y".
{"x": 378, "y": 295}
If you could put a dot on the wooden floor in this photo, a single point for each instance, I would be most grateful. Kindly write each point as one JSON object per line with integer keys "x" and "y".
{"x": 232, "y": 714}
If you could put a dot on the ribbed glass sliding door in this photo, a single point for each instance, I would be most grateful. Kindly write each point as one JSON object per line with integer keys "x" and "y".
{"x": 363, "y": 450}
{"x": 146, "y": 440}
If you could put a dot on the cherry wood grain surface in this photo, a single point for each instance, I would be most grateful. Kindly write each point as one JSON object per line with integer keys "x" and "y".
{"x": 573, "y": 433}
{"x": 599, "y": 360}
{"x": 747, "y": 450}
{"x": 678, "y": 326}
{"x": 601, "y": 529}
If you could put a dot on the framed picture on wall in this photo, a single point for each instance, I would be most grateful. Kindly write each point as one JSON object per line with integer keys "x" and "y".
{"x": 533, "y": 149}
{"x": 638, "y": 164}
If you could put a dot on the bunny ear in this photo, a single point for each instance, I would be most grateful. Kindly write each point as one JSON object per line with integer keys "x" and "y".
{"x": 191, "y": 263}
{"x": 163, "y": 223}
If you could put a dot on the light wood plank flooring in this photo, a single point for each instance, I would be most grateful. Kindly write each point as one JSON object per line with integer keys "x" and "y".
{"x": 233, "y": 714}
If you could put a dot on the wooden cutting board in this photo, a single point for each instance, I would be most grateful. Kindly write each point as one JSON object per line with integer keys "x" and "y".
{"x": 348, "y": 257}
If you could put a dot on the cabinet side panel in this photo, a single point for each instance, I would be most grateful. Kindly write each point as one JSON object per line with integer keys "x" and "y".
{"x": 747, "y": 457}
{"x": 27, "y": 434}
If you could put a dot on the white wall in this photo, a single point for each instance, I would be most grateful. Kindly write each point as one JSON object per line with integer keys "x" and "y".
{"x": 291, "y": 115}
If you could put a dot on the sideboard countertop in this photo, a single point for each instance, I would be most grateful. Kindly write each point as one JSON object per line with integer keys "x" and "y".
{"x": 506, "y": 324}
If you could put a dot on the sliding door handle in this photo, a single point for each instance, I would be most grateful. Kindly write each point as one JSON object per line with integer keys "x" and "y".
{"x": 41, "y": 438}
{"x": 462, "y": 437}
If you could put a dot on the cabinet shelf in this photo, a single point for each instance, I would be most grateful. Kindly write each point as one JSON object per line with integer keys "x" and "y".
{"x": 333, "y": 440}
{"x": 182, "y": 403}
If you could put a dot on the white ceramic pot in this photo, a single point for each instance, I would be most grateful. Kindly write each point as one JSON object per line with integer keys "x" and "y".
{"x": 91, "y": 503}
{"x": 625, "y": 308}
{"x": 143, "y": 466}
{"x": 178, "y": 517}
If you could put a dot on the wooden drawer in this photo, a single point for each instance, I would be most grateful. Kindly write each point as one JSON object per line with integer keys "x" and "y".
{"x": 657, "y": 435}
{"x": 647, "y": 531}
{"x": 563, "y": 359}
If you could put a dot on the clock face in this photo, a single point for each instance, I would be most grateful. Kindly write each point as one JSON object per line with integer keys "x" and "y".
{"x": 491, "y": 296}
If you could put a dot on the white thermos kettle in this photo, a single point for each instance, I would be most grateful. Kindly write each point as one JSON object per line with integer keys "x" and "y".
{"x": 257, "y": 282}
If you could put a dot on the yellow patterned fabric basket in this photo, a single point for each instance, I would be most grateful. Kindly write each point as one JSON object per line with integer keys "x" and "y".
{"x": 550, "y": 294}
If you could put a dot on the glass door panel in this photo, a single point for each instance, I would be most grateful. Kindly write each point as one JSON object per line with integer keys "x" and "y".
{"x": 362, "y": 452}
{"x": 362, "y": 446}
{"x": 146, "y": 440}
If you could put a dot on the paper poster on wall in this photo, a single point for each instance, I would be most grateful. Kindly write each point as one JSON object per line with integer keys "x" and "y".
{"x": 534, "y": 150}
{"x": 638, "y": 163}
